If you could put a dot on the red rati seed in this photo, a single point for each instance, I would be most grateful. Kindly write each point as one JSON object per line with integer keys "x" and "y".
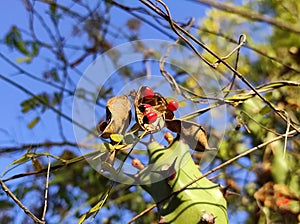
{"x": 143, "y": 107}
{"x": 172, "y": 105}
{"x": 102, "y": 125}
{"x": 149, "y": 118}
{"x": 147, "y": 92}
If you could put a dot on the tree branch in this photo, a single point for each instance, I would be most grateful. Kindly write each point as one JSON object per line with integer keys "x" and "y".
{"x": 249, "y": 14}
{"x": 19, "y": 203}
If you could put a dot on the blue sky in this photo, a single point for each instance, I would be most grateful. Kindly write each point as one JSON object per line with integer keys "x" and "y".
{"x": 13, "y": 129}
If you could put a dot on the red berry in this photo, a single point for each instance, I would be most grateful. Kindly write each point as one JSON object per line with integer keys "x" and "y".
{"x": 143, "y": 107}
{"x": 102, "y": 125}
{"x": 149, "y": 118}
{"x": 147, "y": 92}
{"x": 172, "y": 105}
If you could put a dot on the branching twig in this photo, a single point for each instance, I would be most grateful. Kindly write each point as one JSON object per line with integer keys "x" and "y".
{"x": 19, "y": 203}
{"x": 165, "y": 73}
{"x": 175, "y": 26}
{"x": 242, "y": 41}
{"x": 46, "y": 144}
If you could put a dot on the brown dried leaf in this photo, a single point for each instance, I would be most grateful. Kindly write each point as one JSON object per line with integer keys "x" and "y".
{"x": 193, "y": 133}
{"x": 118, "y": 116}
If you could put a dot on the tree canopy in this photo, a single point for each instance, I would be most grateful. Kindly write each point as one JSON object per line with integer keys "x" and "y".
{"x": 230, "y": 69}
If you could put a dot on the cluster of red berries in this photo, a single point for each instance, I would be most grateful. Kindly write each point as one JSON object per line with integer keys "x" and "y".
{"x": 151, "y": 116}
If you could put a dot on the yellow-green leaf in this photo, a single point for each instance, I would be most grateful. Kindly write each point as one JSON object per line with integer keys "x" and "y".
{"x": 116, "y": 137}
{"x": 33, "y": 122}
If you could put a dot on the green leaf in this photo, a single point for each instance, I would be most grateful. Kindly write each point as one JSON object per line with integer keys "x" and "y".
{"x": 57, "y": 99}
{"x": 14, "y": 39}
{"x": 266, "y": 109}
{"x": 33, "y": 122}
{"x": 23, "y": 159}
{"x": 116, "y": 137}
{"x": 201, "y": 198}
{"x": 269, "y": 95}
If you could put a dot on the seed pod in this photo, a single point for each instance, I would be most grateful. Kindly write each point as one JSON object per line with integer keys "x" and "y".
{"x": 193, "y": 133}
{"x": 156, "y": 106}
{"x": 118, "y": 116}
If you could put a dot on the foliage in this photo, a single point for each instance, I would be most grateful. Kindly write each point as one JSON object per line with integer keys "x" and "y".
{"x": 260, "y": 90}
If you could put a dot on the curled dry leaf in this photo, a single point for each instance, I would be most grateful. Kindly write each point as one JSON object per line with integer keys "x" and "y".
{"x": 118, "y": 116}
{"x": 193, "y": 133}
{"x": 158, "y": 105}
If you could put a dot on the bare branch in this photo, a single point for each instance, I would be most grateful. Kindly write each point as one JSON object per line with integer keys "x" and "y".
{"x": 175, "y": 26}
{"x": 19, "y": 203}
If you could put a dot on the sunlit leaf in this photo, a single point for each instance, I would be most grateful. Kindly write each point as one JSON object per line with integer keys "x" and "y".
{"x": 116, "y": 137}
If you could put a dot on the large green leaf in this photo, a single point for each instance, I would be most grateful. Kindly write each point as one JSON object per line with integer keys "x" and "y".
{"x": 200, "y": 201}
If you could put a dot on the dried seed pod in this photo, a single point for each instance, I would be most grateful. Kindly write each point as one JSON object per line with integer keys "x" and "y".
{"x": 118, "y": 116}
{"x": 154, "y": 105}
{"x": 193, "y": 133}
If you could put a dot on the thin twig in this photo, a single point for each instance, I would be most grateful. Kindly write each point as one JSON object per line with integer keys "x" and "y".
{"x": 19, "y": 203}
{"x": 46, "y": 190}
{"x": 287, "y": 130}
{"x": 175, "y": 26}
{"x": 46, "y": 144}
{"x": 164, "y": 72}
{"x": 242, "y": 41}
{"x": 142, "y": 213}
